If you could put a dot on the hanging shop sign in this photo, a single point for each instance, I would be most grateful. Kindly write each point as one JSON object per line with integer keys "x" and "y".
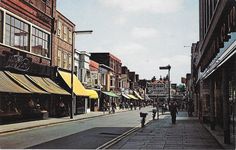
{"x": 18, "y": 62}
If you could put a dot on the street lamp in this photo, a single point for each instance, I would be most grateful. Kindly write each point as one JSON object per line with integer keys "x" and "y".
{"x": 72, "y": 67}
{"x": 167, "y": 68}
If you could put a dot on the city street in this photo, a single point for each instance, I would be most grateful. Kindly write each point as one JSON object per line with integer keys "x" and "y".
{"x": 88, "y": 133}
{"x": 118, "y": 74}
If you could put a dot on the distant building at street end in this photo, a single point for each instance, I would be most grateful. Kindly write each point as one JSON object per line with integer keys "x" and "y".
{"x": 158, "y": 89}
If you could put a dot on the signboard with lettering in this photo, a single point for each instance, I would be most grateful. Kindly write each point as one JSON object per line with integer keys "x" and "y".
{"x": 18, "y": 62}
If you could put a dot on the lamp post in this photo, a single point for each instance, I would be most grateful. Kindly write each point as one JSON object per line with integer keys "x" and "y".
{"x": 72, "y": 67}
{"x": 167, "y": 68}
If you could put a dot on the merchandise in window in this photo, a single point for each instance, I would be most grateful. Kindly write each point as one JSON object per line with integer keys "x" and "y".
{"x": 40, "y": 42}
{"x": 16, "y": 33}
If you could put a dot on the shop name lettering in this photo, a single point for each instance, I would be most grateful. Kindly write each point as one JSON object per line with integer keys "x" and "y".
{"x": 18, "y": 62}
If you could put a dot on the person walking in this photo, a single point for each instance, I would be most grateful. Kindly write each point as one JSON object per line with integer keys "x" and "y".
{"x": 173, "y": 111}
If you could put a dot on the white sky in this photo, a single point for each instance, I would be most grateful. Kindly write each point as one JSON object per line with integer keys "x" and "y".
{"x": 144, "y": 34}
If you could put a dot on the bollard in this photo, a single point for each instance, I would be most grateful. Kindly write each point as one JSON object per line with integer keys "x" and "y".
{"x": 143, "y": 116}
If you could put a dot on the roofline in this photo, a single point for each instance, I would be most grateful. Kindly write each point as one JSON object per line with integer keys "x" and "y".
{"x": 65, "y": 17}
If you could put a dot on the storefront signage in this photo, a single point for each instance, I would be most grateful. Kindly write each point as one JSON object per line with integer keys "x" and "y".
{"x": 228, "y": 26}
{"x": 18, "y": 62}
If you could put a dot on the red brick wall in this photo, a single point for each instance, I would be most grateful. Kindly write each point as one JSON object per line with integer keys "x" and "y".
{"x": 28, "y": 12}
{"x": 57, "y": 41}
{"x": 33, "y": 14}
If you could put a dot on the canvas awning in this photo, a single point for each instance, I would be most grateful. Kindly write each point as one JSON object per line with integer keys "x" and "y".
{"x": 92, "y": 94}
{"x": 25, "y": 83}
{"x": 78, "y": 88}
{"x": 132, "y": 96}
{"x": 9, "y": 86}
{"x": 137, "y": 95}
{"x": 48, "y": 85}
{"x": 126, "y": 96}
{"x": 111, "y": 94}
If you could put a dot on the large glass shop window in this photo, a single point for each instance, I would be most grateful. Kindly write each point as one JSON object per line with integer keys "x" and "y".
{"x": 40, "y": 42}
{"x": 1, "y": 29}
{"x": 16, "y": 33}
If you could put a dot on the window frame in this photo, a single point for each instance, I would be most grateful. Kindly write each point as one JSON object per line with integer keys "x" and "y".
{"x": 59, "y": 59}
{"x": 16, "y": 27}
{"x": 42, "y": 37}
{"x": 30, "y": 27}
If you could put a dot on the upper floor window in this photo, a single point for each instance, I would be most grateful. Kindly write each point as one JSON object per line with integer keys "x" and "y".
{"x": 40, "y": 42}
{"x": 16, "y": 33}
{"x": 69, "y": 62}
{"x": 59, "y": 58}
{"x": 59, "y": 29}
{"x": 1, "y": 26}
{"x": 65, "y": 60}
{"x": 70, "y": 37}
{"x": 65, "y": 33}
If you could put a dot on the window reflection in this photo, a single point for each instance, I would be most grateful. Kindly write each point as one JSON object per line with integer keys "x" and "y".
{"x": 40, "y": 42}
{"x": 16, "y": 33}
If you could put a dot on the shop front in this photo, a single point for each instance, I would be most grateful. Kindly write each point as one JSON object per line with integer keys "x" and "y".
{"x": 108, "y": 98}
{"x": 83, "y": 96}
{"x": 125, "y": 101}
{"x": 133, "y": 101}
{"x": 25, "y": 97}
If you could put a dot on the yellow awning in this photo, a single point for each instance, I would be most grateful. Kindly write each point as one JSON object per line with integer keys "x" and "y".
{"x": 9, "y": 86}
{"x": 92, "y": 94}
{"x": 24, "y": 82}
{"x": 132, "y": 96}
{"x": 78, "y": 88}
{"x": 48, "y": 85}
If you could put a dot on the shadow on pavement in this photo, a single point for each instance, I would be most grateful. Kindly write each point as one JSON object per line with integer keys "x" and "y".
{"x": 89, "y": 139}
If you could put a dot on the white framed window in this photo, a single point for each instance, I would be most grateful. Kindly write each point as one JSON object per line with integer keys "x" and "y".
{"x": 16, "y": 33}
{"x": 59, "y": 58}
{"x": 70, "y": 37}
{"x": 40, "y": 42}
{"x": 59, "y": 29}
{"x": 65, "y": 33}
{"x": 65, "y": 60}
{"x": 69, "y": 62}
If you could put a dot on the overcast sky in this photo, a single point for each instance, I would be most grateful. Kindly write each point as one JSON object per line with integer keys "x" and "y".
{"x": 144, "y": 34}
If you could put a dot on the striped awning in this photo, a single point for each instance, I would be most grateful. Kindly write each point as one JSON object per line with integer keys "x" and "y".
{"x": 125, "y": 96}
{"x": 48, "y": 85}
{"x": 25, "y": 83}
{"x": 9, "y": 86}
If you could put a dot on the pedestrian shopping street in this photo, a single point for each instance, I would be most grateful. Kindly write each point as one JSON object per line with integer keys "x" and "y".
{"x": 187, "y": 133}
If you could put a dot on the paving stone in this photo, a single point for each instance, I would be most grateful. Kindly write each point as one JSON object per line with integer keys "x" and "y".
{"x": 161, "y": 134}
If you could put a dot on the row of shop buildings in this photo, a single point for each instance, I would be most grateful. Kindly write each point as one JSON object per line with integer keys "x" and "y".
{"x": 212, "y": 83}
{"x": 37, "y": 55}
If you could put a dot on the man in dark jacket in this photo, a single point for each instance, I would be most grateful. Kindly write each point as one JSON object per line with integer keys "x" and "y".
{"x": 173, "y": 111}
